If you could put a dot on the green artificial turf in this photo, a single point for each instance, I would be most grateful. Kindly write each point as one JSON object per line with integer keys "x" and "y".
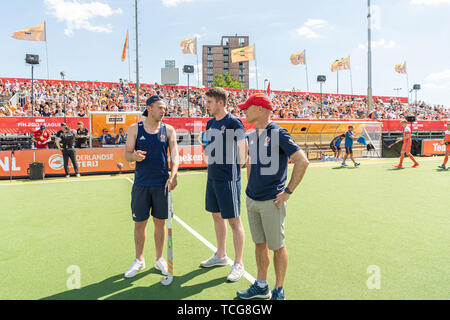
{"x": 339, "y": 222}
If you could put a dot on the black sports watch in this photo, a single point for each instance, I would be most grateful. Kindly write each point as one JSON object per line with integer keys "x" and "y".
{"x": 287, "y": 190}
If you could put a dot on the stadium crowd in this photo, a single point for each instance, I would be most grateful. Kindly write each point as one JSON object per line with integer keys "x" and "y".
{"x": 79, "y": 99}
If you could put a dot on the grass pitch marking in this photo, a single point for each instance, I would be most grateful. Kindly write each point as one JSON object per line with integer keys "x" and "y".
{"x": 204, "y": 241}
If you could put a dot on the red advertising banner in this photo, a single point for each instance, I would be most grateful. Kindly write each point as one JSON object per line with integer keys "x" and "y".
{"x": 433, "y": 147}
{"x": 94, "y": 160}
{"x": 23, "y": 125}
{"x": 424, "y": 125}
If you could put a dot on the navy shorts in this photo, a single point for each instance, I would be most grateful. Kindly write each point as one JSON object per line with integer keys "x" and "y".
{"x": 223, "y": 197}
{"x": 349, "y": 150}
{"x": 144, "y": 199}
{"x": 334, "y": 148}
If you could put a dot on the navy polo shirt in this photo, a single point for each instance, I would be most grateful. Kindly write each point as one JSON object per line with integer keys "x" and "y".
{"x": 269, "y": 154}
{"x": 225, "y": 166}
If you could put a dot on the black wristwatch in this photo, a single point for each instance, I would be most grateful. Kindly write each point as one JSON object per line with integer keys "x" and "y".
{"x": 287, "y": 190}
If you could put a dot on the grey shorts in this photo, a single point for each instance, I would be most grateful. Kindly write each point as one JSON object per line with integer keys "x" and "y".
{"x": 266, "y": 222}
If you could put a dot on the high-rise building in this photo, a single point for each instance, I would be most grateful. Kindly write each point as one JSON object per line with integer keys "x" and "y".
{"x": 217, "y": 60}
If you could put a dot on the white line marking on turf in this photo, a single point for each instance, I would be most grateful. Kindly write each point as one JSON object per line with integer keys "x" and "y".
{"x": 205, "y": 242}
{"x": 58, "y": 181}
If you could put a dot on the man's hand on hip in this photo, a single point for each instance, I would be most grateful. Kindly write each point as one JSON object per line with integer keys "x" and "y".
{"x": 280, "y": 199}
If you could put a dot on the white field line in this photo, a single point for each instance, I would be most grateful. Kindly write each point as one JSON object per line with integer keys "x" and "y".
{"x": 205, "y": 242}
{"x": 323, "y": 164}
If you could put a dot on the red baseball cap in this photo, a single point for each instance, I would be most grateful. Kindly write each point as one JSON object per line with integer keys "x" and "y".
{"x": 257, "y": 99}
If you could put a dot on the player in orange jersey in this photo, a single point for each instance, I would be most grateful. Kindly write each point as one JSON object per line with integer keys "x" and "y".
{"x": 406, "y": 148}
{"x": 447, "y": 146}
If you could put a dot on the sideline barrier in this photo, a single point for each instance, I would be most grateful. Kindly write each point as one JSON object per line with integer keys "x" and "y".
{"x": 22, "y": 125}
{"x": 94, "y": 160}
{"x": 315, "y": 136}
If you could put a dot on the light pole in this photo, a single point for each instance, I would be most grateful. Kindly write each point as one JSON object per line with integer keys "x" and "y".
{"x": 321, "y": 79}
{"x": 416, "y": 88}
{"x": 32, "y": 59}
{"x": 63, "y": 75}
{"x": 265, "y": 81}
{"x": 188, "y": 69}
{"x": 397, "y": 89}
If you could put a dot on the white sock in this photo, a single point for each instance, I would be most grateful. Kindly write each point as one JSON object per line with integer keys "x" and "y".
{"x": 261, "y": 283}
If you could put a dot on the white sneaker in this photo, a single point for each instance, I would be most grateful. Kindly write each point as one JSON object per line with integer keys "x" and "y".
{"x": 68, "y": 176}
{"x": 236, "y": 273}
{"x": 214, "y": 261}
{"x": 136, "y": 266}
{"x": 161, "y": 265}
{"x": 78, "y": 175}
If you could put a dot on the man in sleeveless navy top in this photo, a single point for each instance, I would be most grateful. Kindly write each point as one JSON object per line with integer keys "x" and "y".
{"x": 148, "y": 143}
{"x": 225, "y": 152}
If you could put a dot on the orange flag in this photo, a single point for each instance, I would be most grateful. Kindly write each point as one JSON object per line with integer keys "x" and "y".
{"x": 36, "y": 33}
{"x": 243, "y": 54}
{"x": 343, "y": 64}
{"x": 298, "y": 58}
{"x": 401, "y": 67}
{"x": 125, "y": 48}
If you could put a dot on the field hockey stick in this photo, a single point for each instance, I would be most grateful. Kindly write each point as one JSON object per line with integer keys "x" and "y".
{"x": 393, "y": 143}
{"x": 169, "y": 279}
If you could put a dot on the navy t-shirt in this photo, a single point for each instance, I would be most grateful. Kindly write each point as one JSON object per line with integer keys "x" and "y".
{"x": 269, "y": 154}
{"x": 221, "y": 148}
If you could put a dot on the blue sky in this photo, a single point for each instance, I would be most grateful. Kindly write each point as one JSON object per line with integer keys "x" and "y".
{"x": 85, "y": 39}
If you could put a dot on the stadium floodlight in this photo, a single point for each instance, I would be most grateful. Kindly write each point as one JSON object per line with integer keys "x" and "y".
{"x": 63, "y": 75}
{"x": 32, "y": 59}
{"x": 321, "y": 79}
{"x": 188, "y": 69}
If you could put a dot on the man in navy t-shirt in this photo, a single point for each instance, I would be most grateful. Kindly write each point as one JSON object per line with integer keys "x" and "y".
{"x": 225, "y": 151}
{"x": 148, "y": 144}
{"x": 270, "y": 148}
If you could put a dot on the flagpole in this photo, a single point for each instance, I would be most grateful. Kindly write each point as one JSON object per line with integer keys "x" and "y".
{"x": 138, "y": 104}
{"x": 350, "y": 68}
{"x": 256, "y": 66}
{"x": 369, "y": 60}
{"x": 198, "y": 66}
{"x": 337, "y": 81}
{"x": 306, "y": 69}
{"x": 407, "y": 83}
{"x": 129, "y": 60}
{"x": 46, "y": 47}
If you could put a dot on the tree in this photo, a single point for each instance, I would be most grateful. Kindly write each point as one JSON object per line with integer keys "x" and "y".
{"x": 226, "y": 81}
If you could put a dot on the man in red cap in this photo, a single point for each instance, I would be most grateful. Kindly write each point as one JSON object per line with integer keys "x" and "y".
{"x": 41, "y": 138}
{"x": 270, "y": 148}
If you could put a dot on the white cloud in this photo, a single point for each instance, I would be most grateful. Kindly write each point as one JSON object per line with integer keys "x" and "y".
{"x": 310, "y": 27}
{"x": 430, "y": 2}
{"x": 316, "y": 23}
{"x": 77, "y": 15}
{"x": 382, "y": 43}
{"x": 174, "y": 3}
{"x": 438, "y": 80}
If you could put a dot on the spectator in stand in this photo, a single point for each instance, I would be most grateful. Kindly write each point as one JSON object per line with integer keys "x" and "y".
{"x": 46, "y": 112}
{"x": 41, "y": 138}
{"x": 121, "y": 138}
{"x": 82, "y": 136}
{"x": 105, "y": 138}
